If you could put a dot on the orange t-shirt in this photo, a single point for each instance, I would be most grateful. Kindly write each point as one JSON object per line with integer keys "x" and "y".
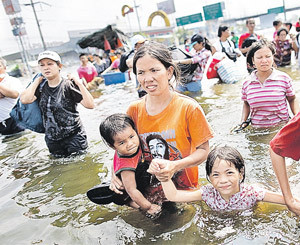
{"x": 181, "y": 124}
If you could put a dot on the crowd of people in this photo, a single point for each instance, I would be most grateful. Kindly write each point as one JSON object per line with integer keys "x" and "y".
{"x": 166, "y": 129}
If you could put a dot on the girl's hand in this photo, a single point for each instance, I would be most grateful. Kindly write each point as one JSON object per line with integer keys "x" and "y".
{"x": 39, "y": 79}
{"x": 116, "y": 185}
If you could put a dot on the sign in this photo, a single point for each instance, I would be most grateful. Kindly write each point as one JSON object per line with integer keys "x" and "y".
{"x": 16, "y": 21}
{"x": 167, "y": 6}
{"x": 19, "y": 31}
{"x": 213, "y": 11}
{"x": 185, "y": 20}
{"x": 276, "y": 10}
{"x": 11, "y": 6}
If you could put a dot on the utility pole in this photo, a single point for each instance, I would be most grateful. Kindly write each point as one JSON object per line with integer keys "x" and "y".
{"x": 37, "y": 21}
{"x": 137, "y": 15}
{"x": 283, "y": 3}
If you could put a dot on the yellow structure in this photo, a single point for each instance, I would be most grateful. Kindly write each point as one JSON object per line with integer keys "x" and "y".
{"x": 161, "y": 14}
{"x": 130, "y": 9}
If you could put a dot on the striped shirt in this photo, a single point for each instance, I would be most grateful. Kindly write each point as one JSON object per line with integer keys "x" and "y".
{"x": 267, "y": 100}
{"x": 201, "y": 58}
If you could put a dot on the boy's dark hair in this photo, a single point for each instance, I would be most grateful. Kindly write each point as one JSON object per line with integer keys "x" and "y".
{"x": 276, "y": 22}
{"x": 257, "y": 46}
{"x": 82, "y": 54}
{"x": 221, "y": 29}
{"x": 228, "y": 154}
{"x": 113, "y": 125}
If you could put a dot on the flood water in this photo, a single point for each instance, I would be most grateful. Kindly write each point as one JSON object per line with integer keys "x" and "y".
{"x": 43, "y": 200}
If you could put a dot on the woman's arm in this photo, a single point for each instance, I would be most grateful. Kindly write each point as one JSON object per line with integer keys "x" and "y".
{"x": 175, "y": 195}
{"x": 185, "y": 61}
{"x": 128, "y": 178}
{"x": 168, "y": 168}
{"x": 87, "y": 99}
{"x": 7, "y": 92}
{"x": 245, "y": 112}
{"x": 294, "y": 104}
{"x": 27, "y": 96}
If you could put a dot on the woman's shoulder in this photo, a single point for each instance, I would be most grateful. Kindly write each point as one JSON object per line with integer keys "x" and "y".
{"x": 280, "y": 75}
{"x": 185, "y": 100}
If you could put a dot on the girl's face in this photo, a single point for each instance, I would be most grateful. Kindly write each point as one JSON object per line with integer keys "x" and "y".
{"x": 126, "y": 142}
{"x": 49, "y": 68}
{"x": 263, "y": 59}
{"x": 153, "y": 76}
{"x": 198, "y": 46}
{"x": 225, "y": 178}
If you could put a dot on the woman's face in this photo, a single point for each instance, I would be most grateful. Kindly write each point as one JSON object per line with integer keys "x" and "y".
{"x": 152, "y": 75}
{"x": 282, "y": 36}
{"x": 226, "y": 33}
{"x": 263, "y": 59}
{"x": 49, "y": 68}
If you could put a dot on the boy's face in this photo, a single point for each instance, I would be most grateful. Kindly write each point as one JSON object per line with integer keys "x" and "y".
{"x": 126, "y": 142}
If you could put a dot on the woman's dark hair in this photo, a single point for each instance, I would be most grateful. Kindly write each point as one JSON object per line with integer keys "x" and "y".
{"x": 262, "y": 43}
{"x": 159, "y": 52}
{"x": 228, "y": 154}
{"x": 282, "y": 29}
{"x": 221, "y": 29}
{"x": 113, "y": 125}
{"x": 199, "y": 39}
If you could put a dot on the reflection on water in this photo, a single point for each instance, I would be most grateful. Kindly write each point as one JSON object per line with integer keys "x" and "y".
{"x": 43, "y": 200}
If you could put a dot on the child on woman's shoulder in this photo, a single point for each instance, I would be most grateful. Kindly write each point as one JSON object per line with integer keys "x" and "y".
{"x": 225, "y": 170}
{"x": 119, "y": 132}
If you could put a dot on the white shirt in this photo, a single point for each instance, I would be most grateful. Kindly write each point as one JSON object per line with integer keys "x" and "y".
{"x": 228, "y": 45}
{"x": 6, "y": 103}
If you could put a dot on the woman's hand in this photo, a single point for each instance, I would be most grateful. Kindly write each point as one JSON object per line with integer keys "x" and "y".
{"x": 163, "y": 169}
{"x": 116, "y": 184}
{"x": 294, "y": 206}
{"x": 74, "y": 79}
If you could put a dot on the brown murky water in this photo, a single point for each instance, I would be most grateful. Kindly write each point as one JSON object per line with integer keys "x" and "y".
{"x": 43, "y": 201}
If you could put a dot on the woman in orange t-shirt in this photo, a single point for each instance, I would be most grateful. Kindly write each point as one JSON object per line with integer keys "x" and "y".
{"x": 172, "y": 127}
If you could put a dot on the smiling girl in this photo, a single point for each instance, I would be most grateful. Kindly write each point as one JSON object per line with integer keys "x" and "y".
{"x": 267, "y": 92}
{"x": 225, "y": 169}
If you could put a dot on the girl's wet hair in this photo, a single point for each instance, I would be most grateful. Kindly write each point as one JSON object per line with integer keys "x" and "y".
{"x": 228, "y": 154}
{"x": 221, "y": 29}
{"x": 262, "y": 43}
{"x": 199, "y": 39}
{"x": 159, "y": 52}
{"x": 113, "y": 125}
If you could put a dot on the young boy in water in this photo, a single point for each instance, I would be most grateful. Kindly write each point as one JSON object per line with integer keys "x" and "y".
{"x": 119, "y": 132}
